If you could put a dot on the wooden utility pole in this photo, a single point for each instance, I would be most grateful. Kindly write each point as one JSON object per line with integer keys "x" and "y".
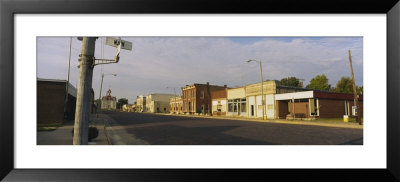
{"x": 83, "y": 100}
{"x": 358, "y": 116}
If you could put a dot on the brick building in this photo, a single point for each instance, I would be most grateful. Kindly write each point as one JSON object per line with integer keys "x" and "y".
{"x": 196, "y": 98}
{"x": 316, "y": 104}
{"x": 51, "y": 96}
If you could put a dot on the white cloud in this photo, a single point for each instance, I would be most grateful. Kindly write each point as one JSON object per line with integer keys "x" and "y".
{"x": 157, "y": 62}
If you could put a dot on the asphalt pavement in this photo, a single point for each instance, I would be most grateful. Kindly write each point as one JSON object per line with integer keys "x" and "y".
{"x": 128, "y": 128}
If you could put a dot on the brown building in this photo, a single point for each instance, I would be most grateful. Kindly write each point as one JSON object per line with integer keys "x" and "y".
{"x": 51, "y": 97}
{"x": 316, "y": 104}
{"x": 196, "y": 98}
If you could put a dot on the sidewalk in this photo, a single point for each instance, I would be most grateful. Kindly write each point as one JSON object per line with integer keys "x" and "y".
{"x": 281, "y": 121}
{"x": 63, "y": 134}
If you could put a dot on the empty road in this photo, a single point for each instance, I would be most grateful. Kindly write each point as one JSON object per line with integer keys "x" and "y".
{"x": 156, "y": 129}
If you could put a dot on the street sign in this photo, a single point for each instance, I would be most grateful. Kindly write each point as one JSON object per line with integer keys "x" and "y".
{"x": 116, "y": 42}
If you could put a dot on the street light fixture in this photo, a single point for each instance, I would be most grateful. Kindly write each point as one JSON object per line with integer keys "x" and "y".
{"x": 262, "y": 85}
{"x": 175, "y": 104}
{"x": 101, "y": 86}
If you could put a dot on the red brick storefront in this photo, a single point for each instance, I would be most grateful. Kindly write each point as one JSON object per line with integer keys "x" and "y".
{"x": 196, "y": 98}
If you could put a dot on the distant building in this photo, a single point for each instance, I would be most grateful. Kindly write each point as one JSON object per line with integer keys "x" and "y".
{"x": 128, "y": 107}
{"x": 132, "y": 108}
{"x": 176, "y": 105}
{"x": 197, "y": 98}
{"x": 51, "y": 97}
{"x": 140, "y": 103}
{"x": 108, "y": 101}
{"x": 158, "y": 103}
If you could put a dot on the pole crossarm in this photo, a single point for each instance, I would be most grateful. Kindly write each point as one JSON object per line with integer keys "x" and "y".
{"x": 104, "y": 61}
{"x": 108, "y": 61}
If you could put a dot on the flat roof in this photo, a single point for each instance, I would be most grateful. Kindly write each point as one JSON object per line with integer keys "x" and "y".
{"x": 295, "y": 95}
{"x": 316, "y": 94}
{"x": 71, "y": 89}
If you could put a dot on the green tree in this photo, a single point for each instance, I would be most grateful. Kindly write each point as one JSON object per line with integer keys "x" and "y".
{"x": 319, "y": 82}
{"x": 96, "y": 101}
{"x": 344, "y": 85}
{"x": 360, "y": 90}
{"x": 291, "y": 82}
{"x": 121, "y": 102}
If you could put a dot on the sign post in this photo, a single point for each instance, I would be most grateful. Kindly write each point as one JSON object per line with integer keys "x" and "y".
{"x": 86, "y": 65}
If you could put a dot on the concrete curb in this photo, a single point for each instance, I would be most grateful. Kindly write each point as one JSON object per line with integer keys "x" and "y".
{"x": 107, "y": 135}
{"x": 105, "y": 128}
{"x": 294, "y": 122}
{"x": 114, "y": 138}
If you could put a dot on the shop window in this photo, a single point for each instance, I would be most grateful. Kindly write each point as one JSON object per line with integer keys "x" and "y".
{"x": 243, "y": 107}
{"x": 230, "y": 107}
{"x": 219, "y": 108}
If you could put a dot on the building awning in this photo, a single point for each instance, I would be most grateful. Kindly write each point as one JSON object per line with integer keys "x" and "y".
{"x": 317, "y": 95}
{"x": 295, "y": 95}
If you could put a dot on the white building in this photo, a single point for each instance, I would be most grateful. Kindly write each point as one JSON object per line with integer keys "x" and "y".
{"x": 237, "y": 105}
{"x": 270, "y": 89}
{"x": 158, "y": 103}
{"x": 108, "y": 101}
{"x": 140, "y": 103}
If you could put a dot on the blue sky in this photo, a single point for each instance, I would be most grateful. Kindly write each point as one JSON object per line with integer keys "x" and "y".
{"x": 159, "y": 62}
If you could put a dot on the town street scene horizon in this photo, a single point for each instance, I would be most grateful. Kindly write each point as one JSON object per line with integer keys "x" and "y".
{"x": 200, "y": 90}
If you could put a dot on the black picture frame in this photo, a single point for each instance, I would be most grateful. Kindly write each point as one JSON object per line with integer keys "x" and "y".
{"x": 9, "y": 8}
